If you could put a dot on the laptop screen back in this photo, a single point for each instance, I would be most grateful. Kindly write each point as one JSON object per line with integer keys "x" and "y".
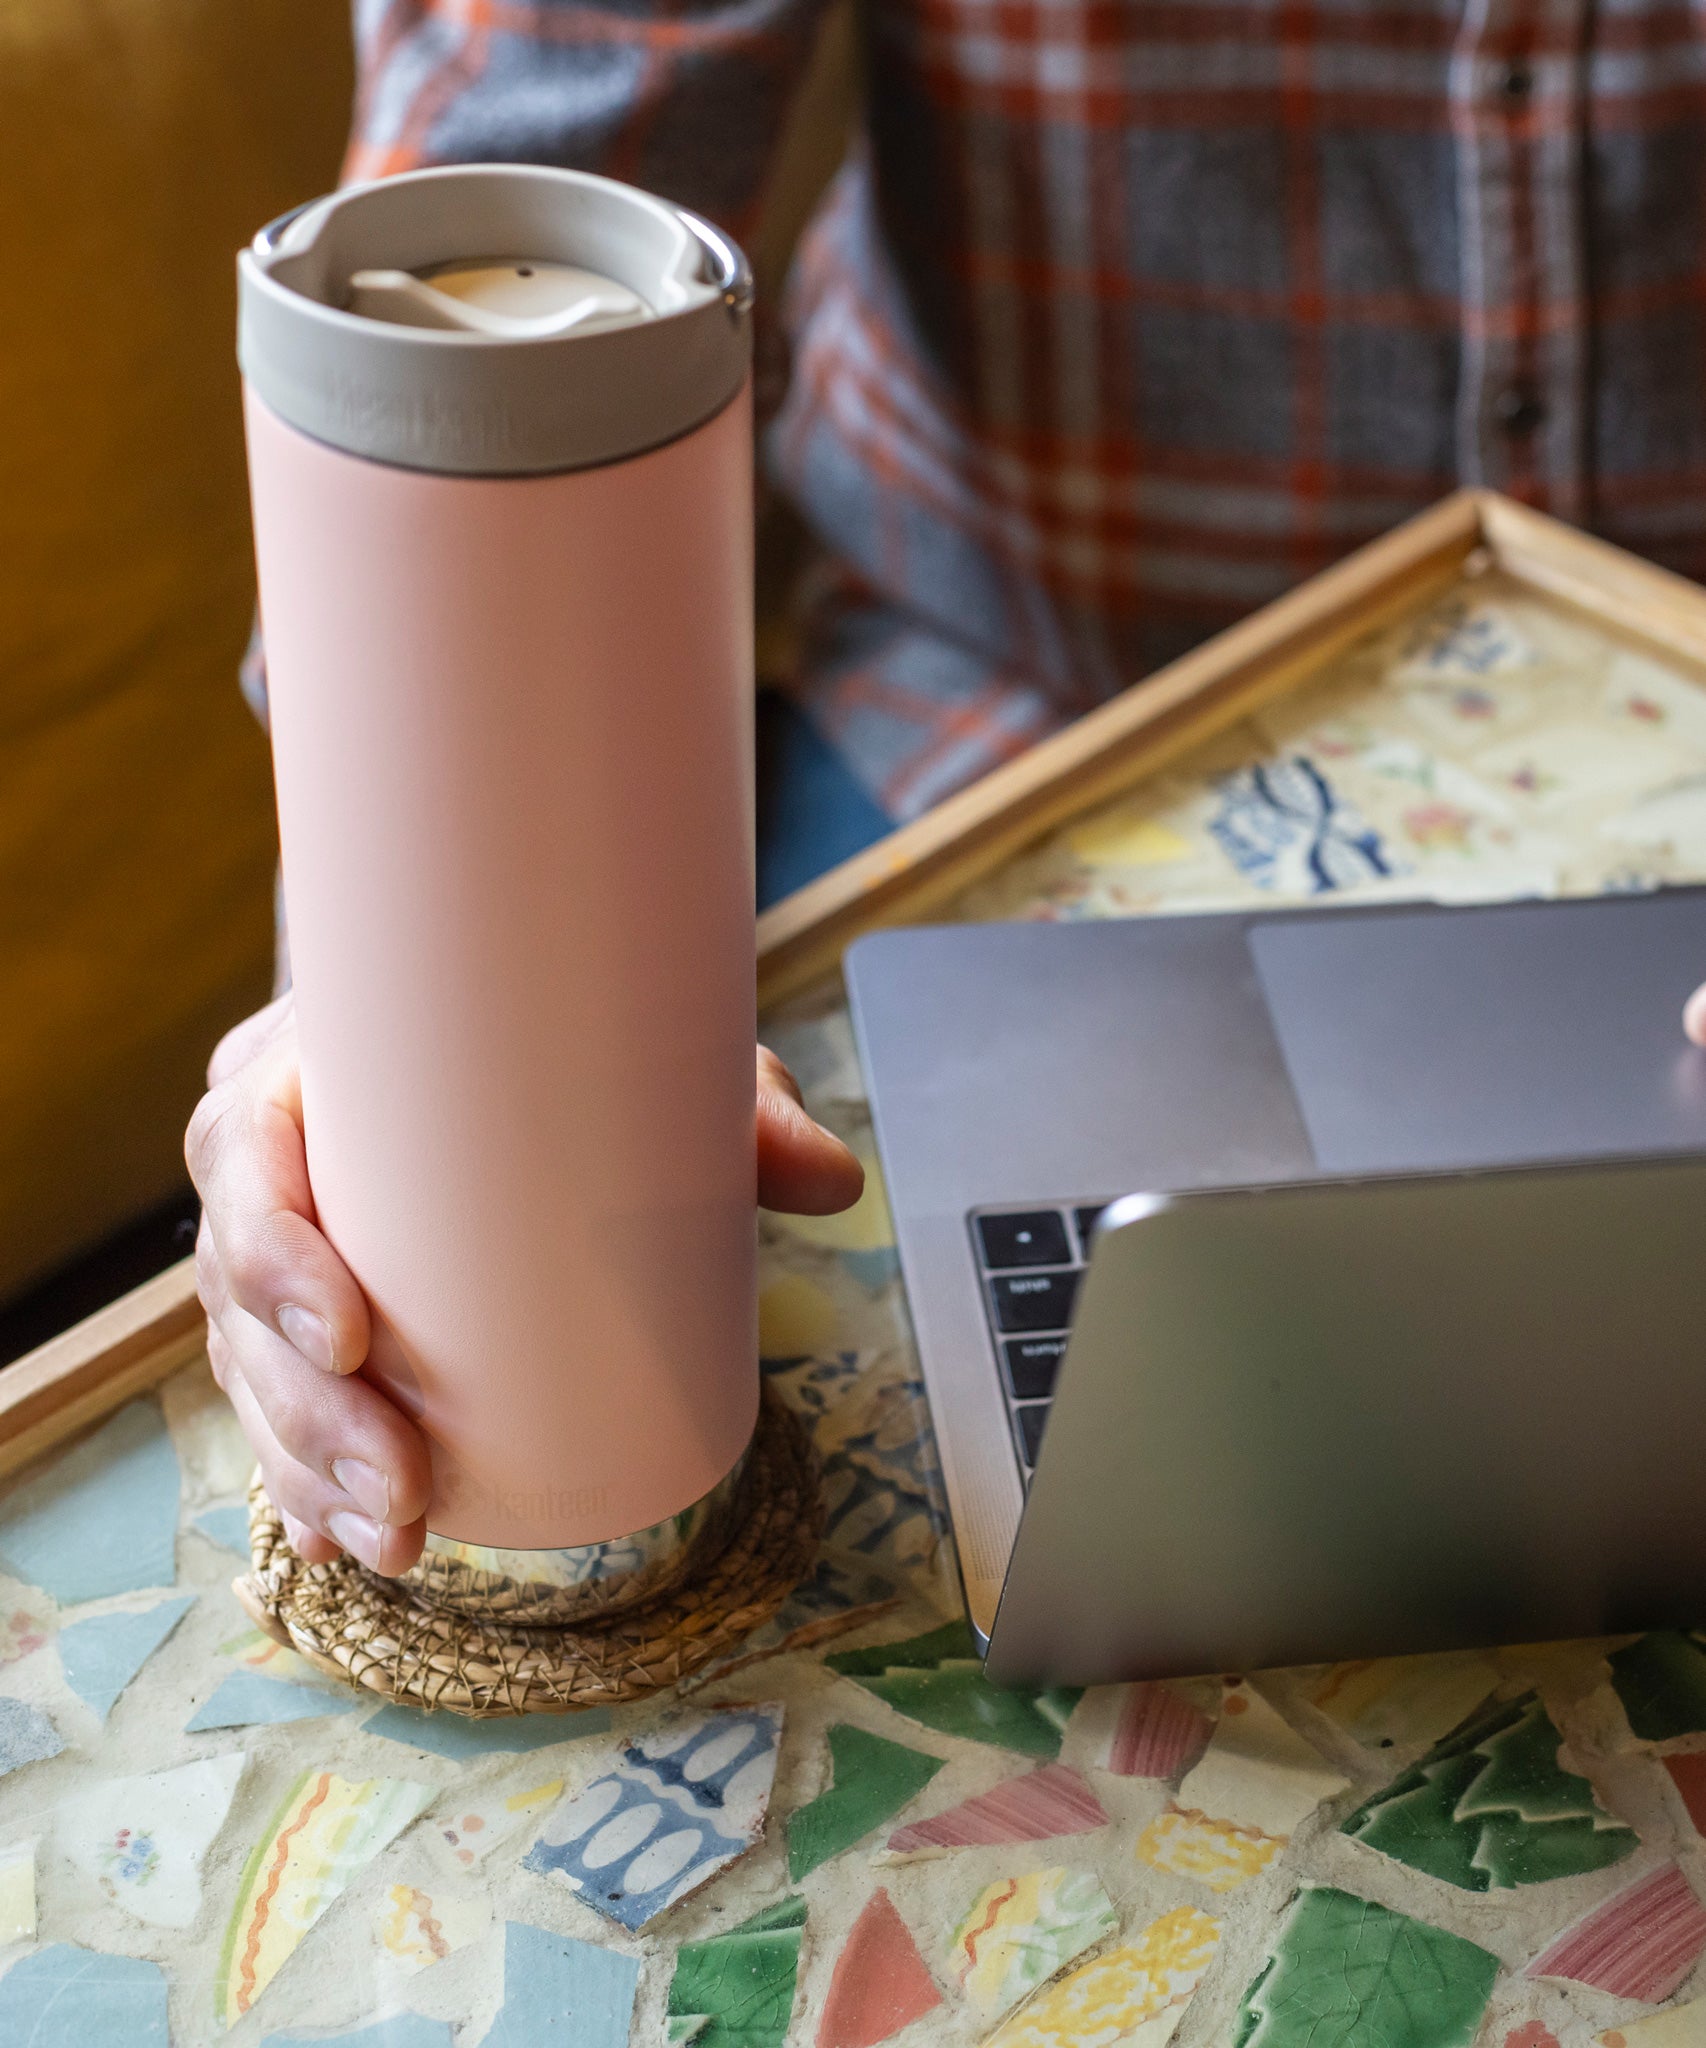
{"x": 1401, "y": 1032}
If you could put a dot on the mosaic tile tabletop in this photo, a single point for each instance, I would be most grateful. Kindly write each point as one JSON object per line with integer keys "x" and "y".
{"x": 846, "y": 1837}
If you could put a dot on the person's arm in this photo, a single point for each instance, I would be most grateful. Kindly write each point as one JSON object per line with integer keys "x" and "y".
{"x": 287, "y": 1324}
{"x": 684, "y": 97}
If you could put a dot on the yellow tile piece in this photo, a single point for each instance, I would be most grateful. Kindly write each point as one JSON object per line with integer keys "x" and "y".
{"x": 1390, "y": 1700}
{"x": 17, "y": 1893}
{"x": 796, "y": 1319}
{"x": 325, "y": 1831}
{"x": 1021, "y": 1930}
{"x": 417, "y": 1929}
{"x": 1117, "y": 839}
{"x": 866, "y": 1227}
{"x": 1214, "y": 1852}
{"x": 1684, "y": 2026}
{"x": 1146, "y": 1980}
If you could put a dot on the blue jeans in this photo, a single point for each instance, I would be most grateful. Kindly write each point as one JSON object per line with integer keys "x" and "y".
{"x": 811, "y": 812}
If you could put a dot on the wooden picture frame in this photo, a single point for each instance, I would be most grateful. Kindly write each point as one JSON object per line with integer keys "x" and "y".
{"x": 139, "y": 1340}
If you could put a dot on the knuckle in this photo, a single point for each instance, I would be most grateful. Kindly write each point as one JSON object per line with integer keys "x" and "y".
{"x": 209, "y": 1130}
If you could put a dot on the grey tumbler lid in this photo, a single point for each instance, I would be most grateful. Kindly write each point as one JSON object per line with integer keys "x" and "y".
{"x": 495, "y": 397}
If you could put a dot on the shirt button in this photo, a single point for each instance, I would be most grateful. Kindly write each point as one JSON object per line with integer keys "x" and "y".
{"x": 1519, "y": 410}
{"x": 1517, "y": 81}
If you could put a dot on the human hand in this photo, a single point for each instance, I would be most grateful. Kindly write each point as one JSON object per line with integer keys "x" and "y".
{"x": 1694, "y": 1015}
{"x": 288, "y": 1326}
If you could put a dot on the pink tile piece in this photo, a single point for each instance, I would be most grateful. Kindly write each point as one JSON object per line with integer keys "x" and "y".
{"x": 880, "y": 1983}
{"x": 1531, "y": 2034}
{"x": 1043, "y": 1803}
{"x": 1641, "y": 1943}
{"x": 1158, "y": 1733}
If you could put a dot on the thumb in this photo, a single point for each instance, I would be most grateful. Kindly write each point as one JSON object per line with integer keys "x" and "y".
{"x": 803, "y": 1169}
{"x": 1694, "y": 1015}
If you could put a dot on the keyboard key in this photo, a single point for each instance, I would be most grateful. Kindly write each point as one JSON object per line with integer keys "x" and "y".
{"x": 1086, "y": 1219}
{"x": 1032, "y": 1363}
{"x": 1033, "y": 1301}
{"x": 1036, "y": 1239}
{"x": 1031, "y": 1420}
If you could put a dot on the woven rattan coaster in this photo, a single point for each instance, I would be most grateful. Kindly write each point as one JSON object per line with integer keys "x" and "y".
{"x": 370, "y": 1632}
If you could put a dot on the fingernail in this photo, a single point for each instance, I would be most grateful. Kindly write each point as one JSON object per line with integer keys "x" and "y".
{"x": 311, "y": 1334}
{"x": 365, "y": 1484}
{"x": 360, "y": 1537}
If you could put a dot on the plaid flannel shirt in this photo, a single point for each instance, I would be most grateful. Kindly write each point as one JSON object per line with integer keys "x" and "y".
{"x": 1127, "y": 314}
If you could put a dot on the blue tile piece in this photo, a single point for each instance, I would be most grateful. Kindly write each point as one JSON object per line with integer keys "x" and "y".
{"x": 246, "y": 1700}
{"x": 27, "y": 1736}
{"x": 1283, "y": 826}
{"x": 455, "y": 1736}
{"x": 227, "y": 1526}
{"x": 103, "y": 1654}
{"x": 101, "y": 1519}
{"x": 873, "y": 1269}
{"x": 65, "y": 1997}
{"x": 562, "y": 1993}
{"x": 399, "y": 2030}
{"x": 683, "y": 1800}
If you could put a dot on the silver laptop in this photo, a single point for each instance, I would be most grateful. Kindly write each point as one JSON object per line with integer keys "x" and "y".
{"x": 1306, "y": 1285}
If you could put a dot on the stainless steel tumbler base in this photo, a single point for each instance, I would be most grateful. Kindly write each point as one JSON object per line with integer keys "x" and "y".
{"x": 567, "y": 1588}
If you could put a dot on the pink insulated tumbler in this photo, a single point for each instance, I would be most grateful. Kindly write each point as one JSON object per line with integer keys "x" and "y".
{"x": 500, "y": 455}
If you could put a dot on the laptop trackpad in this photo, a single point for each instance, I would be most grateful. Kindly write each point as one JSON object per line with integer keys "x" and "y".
{"x": 1421, "y": 1040}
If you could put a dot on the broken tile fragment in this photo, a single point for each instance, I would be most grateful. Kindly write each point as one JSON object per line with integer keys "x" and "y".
{"x": 65, "y": 1997}
{"x": 684, "y": 1800}
{"x": 872, "y": 1779}
{"x": 880, "y": 1983}
{"x": 1682, "y": 2026}
{"x": 416, "y": 1928}
{"x": 24, "y": 1629}
{"x": 246, "y": 1700}
{"x": 736, "y": 1990}
{"x": 258, "y": 1652}
{"x": 103, "y": 1517}
{"x": 1344, "y": 1972}
{"x": 473, "y": 1827}
{"x": 1146, "y": 1983}
{"x": 27, "y": 1736}
{"x": 17, "y": 1892}
{"x": 562, "y": 1993}
{"x": 1640, "y": 1943}
{"x": 143, "y": 1839}
{"x": 1390, "y": 1702}
{"x": 1492, "y": 1807}
{"x": 396, "y": 2030}
{"x": 101, "y": 1655}
{"x": 1257, "y": 1771}
{"x": 1688, "y": 1775}
{"x": 1020, "y": 1930}
{"x": 1216, "y": 1853}
{"x": 1152, "y": 1731}
{"x": 1051, "y": 1800}
{"x": 324, "y": 1832}
{"x": 457, "y": 1737}
{"x": 1661, "y": 1681}
{"x": 937, "y": 1680}
{"x": 227, "y": 1526}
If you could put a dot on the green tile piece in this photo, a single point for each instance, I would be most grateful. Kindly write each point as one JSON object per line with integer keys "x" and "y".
{"x": 953, "y": 1640}
{"x": 737, "y": 1989}
{"x": 1490, "y": 1807}
{"x": 1346, "y": 1973}
{"x": 872, "y": 1779}
{"x": 937, "y": 1680}
{"x": 1661, "y": 1681}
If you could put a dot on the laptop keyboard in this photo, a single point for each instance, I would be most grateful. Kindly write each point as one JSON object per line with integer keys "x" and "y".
{"x": 1031, "y": 1262}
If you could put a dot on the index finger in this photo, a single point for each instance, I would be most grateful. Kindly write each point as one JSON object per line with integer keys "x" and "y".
{"x": 246, "y": 1156}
